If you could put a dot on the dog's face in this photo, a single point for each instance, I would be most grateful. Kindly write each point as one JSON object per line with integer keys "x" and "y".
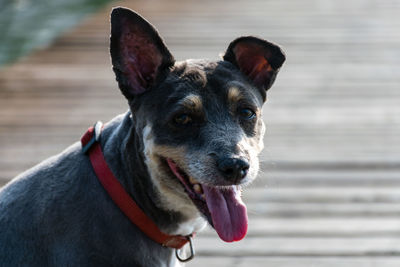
{"x": 200, "y": 121}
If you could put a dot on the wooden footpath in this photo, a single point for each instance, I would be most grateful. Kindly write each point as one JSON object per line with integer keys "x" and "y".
{"x": 329, "y": 190}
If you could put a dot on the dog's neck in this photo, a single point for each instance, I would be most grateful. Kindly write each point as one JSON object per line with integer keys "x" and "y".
{"x": 123, "y": 150}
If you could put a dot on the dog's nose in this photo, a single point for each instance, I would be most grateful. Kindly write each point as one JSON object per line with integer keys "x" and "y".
{"x": 233, "y": 169}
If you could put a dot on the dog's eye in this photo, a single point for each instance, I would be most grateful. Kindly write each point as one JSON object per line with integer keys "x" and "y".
{"x": 183, "y": 119}
{"x": 247, "y": 113}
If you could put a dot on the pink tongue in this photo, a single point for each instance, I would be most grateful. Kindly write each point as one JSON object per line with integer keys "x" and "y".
{"x": 228, "y": 212}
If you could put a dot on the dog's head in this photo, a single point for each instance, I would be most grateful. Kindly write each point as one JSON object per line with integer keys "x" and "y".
{"x": 200, "y": 121}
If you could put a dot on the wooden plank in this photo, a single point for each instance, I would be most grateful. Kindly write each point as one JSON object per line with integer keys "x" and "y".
{"x": 323, "y": 195}
{"x": 345, "y": 227}
{"x": 291, "y": 247}
{"x": 296, "y": 210}
{"x": 201, "y": 261}
{"x": 329, "y": 178}
{"x": 295, "y": 261}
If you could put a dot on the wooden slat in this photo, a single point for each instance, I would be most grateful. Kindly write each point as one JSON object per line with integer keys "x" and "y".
{"x": 323, "y": 227}
{"x": 298, "y": 246}
{"x": 295, "y": 261}
{"x": 323, "y": 195}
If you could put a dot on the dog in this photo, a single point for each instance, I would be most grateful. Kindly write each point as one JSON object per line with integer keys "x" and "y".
{"x": 183, "y": 152}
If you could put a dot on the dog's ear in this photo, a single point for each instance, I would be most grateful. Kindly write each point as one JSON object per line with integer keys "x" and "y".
{"x": 258, "y": 59}
{"x": 139, "y": 55}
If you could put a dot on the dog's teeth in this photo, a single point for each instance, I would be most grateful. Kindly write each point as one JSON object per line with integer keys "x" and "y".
{"x": 192, "y": 181}
{"x": 197, "y": 189}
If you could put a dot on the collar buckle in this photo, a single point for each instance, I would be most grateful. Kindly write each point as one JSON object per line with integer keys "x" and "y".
{"x": 92, "y": 136}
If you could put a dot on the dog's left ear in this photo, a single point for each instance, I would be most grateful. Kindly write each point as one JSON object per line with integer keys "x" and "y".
{"x": 139, "y": 55}
{"x": 258, "y": 59}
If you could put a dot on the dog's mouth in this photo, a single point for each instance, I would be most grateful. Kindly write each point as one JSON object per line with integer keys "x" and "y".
{"x": 222, "y": 206}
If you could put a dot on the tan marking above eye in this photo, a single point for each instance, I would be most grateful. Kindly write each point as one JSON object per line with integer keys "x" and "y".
{"x": 192, "y": 102}
{"x": 234, "y": 95}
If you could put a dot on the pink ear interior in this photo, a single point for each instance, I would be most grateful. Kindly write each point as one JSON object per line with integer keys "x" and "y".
{"x": 252, "y": 61}
{"x": 139, "y": 56}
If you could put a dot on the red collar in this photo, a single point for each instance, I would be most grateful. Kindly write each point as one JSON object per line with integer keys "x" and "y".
{"x": 91, "y": 145}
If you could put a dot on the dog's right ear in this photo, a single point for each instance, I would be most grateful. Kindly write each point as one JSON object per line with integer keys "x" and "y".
{"x": 139, "y": 55}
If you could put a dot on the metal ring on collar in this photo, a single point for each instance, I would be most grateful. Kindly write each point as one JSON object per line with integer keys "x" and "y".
{"x": 192, "y": 252}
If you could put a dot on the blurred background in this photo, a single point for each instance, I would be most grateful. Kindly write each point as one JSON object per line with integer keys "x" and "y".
{"x": 329, "y": 190}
